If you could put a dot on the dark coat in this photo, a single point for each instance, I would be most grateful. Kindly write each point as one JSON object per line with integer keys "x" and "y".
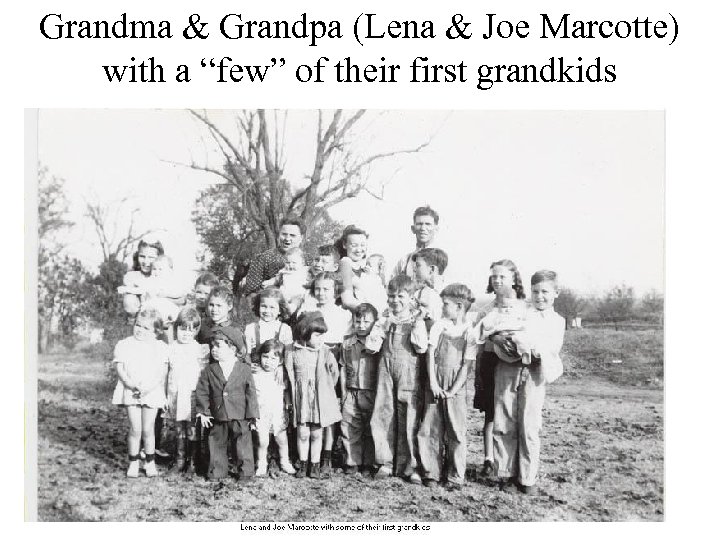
{"x": 224, "y": 400}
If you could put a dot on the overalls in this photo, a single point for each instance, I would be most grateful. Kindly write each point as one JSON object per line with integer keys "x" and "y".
{"x": 255, "y": 353}
{"x": 398, "y": 402}
{"x": 361, "y": 370}
{"x": 519, "y": 396}
{"x": 445, "y": 420}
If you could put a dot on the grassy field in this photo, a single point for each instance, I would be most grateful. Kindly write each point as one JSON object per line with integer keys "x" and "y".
{"x": 602, "y": 454}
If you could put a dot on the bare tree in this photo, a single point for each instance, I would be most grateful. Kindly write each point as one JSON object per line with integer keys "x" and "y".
{"x": 254, "y": 162}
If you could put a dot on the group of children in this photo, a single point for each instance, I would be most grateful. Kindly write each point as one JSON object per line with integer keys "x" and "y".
{"x": 335, "y": 354}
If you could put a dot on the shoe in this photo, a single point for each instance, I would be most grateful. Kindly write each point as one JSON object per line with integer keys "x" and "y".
{"x": 133, "y": 469}
{"x": 161, "y": 453}
{"x": 508, "y": 485}
{"x": 429, "y": 482}
{"x": 326, "y": 463}
{"x": 314, "y": 470}
{"x": 383, "y": 472}
{"x": 286, "y": 467}
{"x": 366, "y": 471}
{"x": 531, "y": 491}
{"x": 487, "y": 468}
{"x": 453, "y": 486}
{"x": 150, "y": 469}
{"x": 351, "y": 469}
{"x": 262, "y": 468}
{"x": 301, "y": 470}
{"x": 414, "y": 478}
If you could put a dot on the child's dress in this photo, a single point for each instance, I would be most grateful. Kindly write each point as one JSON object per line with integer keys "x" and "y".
{"x": 187, "y": 360}
{"x": 146, "y": 364}
{"x": 313, "y": 374}
{"x": 445, "y": 420}
{"x": 270, "y": 387}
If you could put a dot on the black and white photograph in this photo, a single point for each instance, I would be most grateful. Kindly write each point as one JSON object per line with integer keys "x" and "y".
{"x": 421, "y": 316}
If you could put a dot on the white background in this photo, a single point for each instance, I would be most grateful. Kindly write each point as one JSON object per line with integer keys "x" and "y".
{"x": 679, "y": 79}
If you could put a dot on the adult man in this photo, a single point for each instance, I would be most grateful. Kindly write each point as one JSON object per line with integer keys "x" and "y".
{"x": 424, "y": 227}
{"x": 268, "y": 263}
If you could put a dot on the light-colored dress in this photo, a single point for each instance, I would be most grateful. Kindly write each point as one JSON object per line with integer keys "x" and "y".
{"x": 187, "y": 360}
{"x": 146, "y": 364}
{"x": 270, "y": 390}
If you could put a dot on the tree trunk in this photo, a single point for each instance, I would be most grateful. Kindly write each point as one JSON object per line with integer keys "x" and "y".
{"x": 43, "y": 335}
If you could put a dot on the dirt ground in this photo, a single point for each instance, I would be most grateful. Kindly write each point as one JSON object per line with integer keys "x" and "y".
{"x": 602, "y": 460}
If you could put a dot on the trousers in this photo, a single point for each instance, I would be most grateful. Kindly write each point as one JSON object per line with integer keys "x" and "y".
{"x": 355, "y": 427}
{"x": 237, "y": 432}
{"x": 519, "y": 397}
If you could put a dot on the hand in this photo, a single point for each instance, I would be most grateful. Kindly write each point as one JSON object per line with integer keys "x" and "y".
{"x": 206, "y": 421}
{"x": 437, "y": 392}
{"x": 449, "y": 395}
{"x": 252, "y": 424}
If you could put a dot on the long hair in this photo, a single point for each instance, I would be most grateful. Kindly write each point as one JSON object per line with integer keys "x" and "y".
{"x": 517, "y": 280}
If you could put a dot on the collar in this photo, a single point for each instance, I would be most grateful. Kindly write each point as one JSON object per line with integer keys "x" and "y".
{"x": 304, "y": 347}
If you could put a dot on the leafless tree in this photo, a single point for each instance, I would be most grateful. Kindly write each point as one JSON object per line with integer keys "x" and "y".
{"x": 254, "y": 161}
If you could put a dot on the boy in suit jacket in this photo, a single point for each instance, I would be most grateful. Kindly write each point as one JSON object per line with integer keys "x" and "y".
{"x": 227, "y": 404}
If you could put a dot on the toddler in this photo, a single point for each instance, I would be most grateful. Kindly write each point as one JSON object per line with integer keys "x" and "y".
{"x": 376, "y": 265}
{"x": 358, "y": 284}
{"x": 292, "y": 278}
{"x": 272, "y": 385}
{"x": 313, "y": 373}
{"x": 358, "y": 383}
{"x": 141, "y": 361}
{"x": 227, "y": 404}
{"x": 187, "y": 360}
{"x": 326, "y": 260}
{"x": 204, "y": 285}
{"x": 444, "y": 424}
{"x": 271, "y": 309}
{"x": 219, "y": 313}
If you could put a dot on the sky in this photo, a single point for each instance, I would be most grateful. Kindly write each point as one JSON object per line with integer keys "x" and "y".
{"x": 580, "y": 192}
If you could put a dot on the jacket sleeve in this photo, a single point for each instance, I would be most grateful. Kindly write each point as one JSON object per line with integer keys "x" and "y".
{"x": 202, "y": 394}
{"x": 254, "y": 279}
{"x": 332, "y": 366}
{"x": 251, "y": 405}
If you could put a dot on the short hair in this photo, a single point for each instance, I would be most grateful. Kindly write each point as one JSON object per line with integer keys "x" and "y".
{"x": 434, "y": 257}
{"x": 156, "y": 245}
{"x": 271, "y": 345}
{"x": 309, "y": 322}
{"x": 327, "y": 276}
{"x": 189, "y": 316}
{"x": 328, "y": 250}
{"x": 365, "y": 309}
{"x": 544, "y": 275}
{"x": 400, "y": 283}
{"x": 207, "y": 278}
{"x": 459, "y": 293}
{"x": 221, "y": 291}
{"x": 153, "y": 315}
{"x": 426, "y": 211}
{"x": 161, "y": 258}
{"x": 293, "y": 220}
{"x": 271, "y": 292}
{"x": 347, "y": 231}
{"x": 517, "y": 279}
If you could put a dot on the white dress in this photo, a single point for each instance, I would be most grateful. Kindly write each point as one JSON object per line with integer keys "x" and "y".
{"x": 146, "y": 364}
{"x": 270, "y": 398}
{"x": 187, "y": 360}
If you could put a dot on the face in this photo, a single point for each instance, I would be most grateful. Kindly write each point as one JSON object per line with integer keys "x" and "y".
{"x": 160, "y": 268}
{"x": 144, "y": 330}
{"x": 374, "y": 263}
{"x": 424, "y": 229}
{"x": 423, "y": 271}
{"x": 501, "y": 279}
{"x": 544, "y": 295}
{"x": 270, "y": 360}
{"x": 324, "y": 291}
{"x": 323, "y": 263}
{"x": 289, "y": 237}
{"x": 451, "y": 309}
{"x": 201, "y": 295}
{"x": 356, "y": 246}
{"x": 222, "y": 351}
{"x": 218, "y": 309}
{"x": 316, "y": 339}
{"x": 146, "y": 256}
{"x": 186, "y": 333}
{"x": 293, "y": 262}
{"x": 399, "y": 302}
{"x": 269, "y": 309}
{"x": 363, "y": 324}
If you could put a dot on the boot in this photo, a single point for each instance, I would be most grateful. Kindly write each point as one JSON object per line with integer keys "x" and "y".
{"x": 191, "y": 466}
{"x": 326, "y": 462}
{"x": 314, "y": 470}
{"x": 301, "y": 469}
{"x": 180, "y": 464}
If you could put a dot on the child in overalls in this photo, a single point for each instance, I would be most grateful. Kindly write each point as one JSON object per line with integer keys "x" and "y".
{"x": 398, "y": 402}
{"x": 450, "y": 349}
{"x": 358, "y": 383}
